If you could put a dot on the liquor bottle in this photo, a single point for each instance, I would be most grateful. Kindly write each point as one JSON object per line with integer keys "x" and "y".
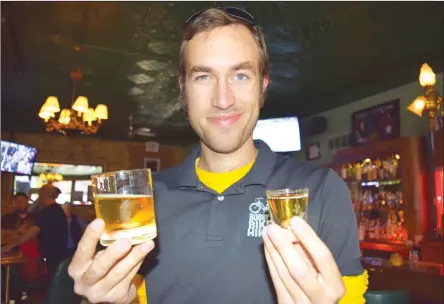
{"x": 361, "y": 232}
{"x": 351, "y": 172}
{"x": 358, "y": 171}
{"x": 344, "y": 172}
{"x": 374, "y": 171}
{"x": 380, "y": 169}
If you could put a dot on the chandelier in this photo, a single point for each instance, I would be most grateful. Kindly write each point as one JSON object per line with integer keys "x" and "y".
{"x": 79, "y": 118}
{"x": 429, "y": 103}
{"x": 50, "y": 177}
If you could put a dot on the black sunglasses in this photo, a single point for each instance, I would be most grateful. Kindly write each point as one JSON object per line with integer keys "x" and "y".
{"x": 232, "y": 11}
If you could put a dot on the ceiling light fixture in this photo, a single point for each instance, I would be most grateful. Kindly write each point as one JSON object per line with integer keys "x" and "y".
{"x": 80, "y": 118}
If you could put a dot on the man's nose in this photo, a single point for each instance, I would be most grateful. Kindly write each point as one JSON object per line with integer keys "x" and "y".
{"x": 223, "y": 96}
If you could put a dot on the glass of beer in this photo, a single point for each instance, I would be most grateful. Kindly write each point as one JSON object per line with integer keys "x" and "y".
{"x": 124, "y": 201}
{"x": 286, "y": 203}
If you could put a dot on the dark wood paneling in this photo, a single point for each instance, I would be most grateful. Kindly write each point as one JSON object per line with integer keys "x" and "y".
{"x": 169, "y": 156}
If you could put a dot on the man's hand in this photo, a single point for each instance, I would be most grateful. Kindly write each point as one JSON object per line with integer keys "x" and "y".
{"x": 7, "y": 248}
{"x": 106, "y": 276}
{"x": 305, "y": 272}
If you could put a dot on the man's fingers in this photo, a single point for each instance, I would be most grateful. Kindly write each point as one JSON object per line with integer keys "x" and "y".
{"x": 102, "y": 263}
{"x": 120, "y": 293}
{"x": 304, "y": 275}
{"x": 126, "y": 291}
{"x": 283, "y": 272}
{"x": 319, "y": 252}
{"x": 132, "y": 261}
{"x": 283, "y": 294}
{"x": 110, "y": 275}
{"x": 86, "y": 248}
{"x": 115, "y": 286}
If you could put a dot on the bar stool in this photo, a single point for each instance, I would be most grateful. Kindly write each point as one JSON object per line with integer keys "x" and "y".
{"x": 8, "y": 260}
{"x": 387, "y": 297}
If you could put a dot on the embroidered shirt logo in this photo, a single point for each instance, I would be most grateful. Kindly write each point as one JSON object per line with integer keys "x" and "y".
{"x": 259, "y": 217}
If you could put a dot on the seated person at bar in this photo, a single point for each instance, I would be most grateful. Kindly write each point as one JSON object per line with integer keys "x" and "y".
{"x": 51, "y": 227}
{"x": 211, "y": 248}
{"x": 17, "y": 221}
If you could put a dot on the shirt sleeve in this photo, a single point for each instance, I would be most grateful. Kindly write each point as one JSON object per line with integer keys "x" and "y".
{"x": 355, "y": 287}
{"x": 142, "y": 297}
{"x": 338, "y": 225}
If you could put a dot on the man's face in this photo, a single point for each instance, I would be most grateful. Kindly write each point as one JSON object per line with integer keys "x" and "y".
{"x": 45, "y": 195}
{"x": 223, "y": 88}
{"x": 20, "y": 203}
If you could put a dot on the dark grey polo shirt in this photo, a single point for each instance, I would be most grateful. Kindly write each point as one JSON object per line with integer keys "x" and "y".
{"x": 209, "y": 246}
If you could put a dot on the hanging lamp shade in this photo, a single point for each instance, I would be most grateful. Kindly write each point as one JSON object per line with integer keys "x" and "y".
{"x": 45, "y": 114}
{"x": 65, "y": 116}
{"x": 81, "y": 104}
{"x": 51, "y": 105}
{"x": 101, "y": 111}
{"x": 89, "y": 116}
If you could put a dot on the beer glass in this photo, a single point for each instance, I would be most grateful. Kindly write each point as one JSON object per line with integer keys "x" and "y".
{"x": 286, "y": 203}
{"x": 124, "y": 201}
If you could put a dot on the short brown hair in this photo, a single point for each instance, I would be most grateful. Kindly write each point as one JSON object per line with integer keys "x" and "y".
{"x": 211, "y": 19}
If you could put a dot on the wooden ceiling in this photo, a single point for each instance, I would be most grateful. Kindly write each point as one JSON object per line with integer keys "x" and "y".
{"x": 323, "y": 54}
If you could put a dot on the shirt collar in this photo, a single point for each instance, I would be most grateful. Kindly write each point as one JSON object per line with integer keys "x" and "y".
{"x": 259, "y": 174}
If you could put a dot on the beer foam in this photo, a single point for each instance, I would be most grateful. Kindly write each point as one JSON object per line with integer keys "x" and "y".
{"x": 295, "y": 196}
{"x": 124, "y": 196}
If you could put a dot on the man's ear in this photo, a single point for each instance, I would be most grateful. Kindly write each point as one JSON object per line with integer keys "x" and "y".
{"x": 180, "y": 84}
{"x": 264, "y": 90}
{"x": 265, "y": 83}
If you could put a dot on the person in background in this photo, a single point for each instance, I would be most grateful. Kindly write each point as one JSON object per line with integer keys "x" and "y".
{"x": 51, "y": 227}
{"x": 76, "y": 227}
{"x": 35, "y": 207}
{"x": 16, "y": 222}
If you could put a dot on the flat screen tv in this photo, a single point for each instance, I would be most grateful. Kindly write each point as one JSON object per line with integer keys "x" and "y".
{"x": 281, "y": 134}
{"x": 17, "y": 158}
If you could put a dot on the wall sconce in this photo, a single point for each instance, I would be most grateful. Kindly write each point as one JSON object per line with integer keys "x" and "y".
{"x": 430, "y": 103}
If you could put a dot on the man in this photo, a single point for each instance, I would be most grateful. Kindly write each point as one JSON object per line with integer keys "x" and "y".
{"x": 51, "y": 227}
{"x": 17, "y": 221}
{"x": 36, "y": 207}
{"x": 210, "y": 248}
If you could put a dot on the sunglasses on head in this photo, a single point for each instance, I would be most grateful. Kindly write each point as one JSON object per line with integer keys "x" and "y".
{"x": 231, "y": 11}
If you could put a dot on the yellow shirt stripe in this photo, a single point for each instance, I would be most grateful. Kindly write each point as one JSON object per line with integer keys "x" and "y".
{"x": 220, "y": 182}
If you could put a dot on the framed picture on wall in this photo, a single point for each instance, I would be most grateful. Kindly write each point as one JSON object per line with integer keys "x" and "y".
{"x": 313, "y": 151}
{"x": 376, "y": 123}
{"x": 152, "y": 163}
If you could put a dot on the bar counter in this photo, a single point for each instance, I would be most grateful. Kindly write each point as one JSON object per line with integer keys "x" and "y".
{"x": 424, "y": 280}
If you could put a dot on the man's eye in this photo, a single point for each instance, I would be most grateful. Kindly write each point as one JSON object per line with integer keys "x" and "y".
{"x": 201, "y": 77}
{"x": 241, "y": 77}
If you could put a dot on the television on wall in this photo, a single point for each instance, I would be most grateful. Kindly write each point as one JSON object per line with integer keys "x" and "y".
{"x": 16, "y": 158}
{"x": 281, "y": 134}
